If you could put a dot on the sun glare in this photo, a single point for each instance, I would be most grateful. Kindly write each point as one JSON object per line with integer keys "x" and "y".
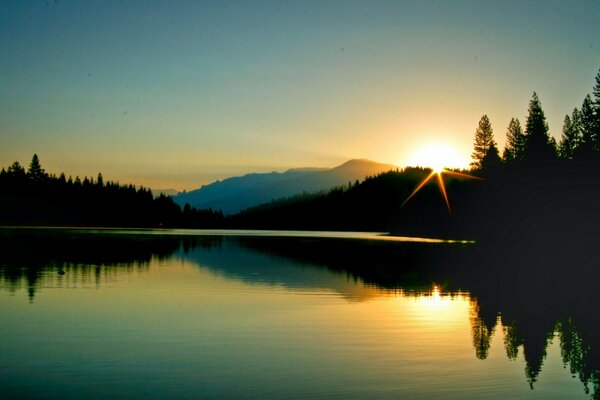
{"x": 438, "y": 157}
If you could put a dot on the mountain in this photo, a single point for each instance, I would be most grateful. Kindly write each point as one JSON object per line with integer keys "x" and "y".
{"x": 237, "y": 193}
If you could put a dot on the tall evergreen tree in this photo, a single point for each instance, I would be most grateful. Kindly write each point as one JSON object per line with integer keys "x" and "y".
{"x": 576, "y": 124}
{"x": 596, "y": 89}
{"x": 36, "y": 172}
{"x": 515, "y": 142}
{"x": 596, "y": 107}
{"x": 484, "y": 138}
{"x": 538, "y": 146}
{"x": 588, "y": 134}
{"x": 570, "y": 137}
{"x": 100, "y": 180}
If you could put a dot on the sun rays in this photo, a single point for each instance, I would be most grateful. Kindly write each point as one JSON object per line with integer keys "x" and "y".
{"x": 438, "y": 172}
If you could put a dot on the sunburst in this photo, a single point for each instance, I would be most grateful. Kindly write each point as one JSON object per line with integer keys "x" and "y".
{"x": 438, "y": 172}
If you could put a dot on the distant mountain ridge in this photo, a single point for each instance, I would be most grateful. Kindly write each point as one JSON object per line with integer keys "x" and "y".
{"x": 234, "y": 194}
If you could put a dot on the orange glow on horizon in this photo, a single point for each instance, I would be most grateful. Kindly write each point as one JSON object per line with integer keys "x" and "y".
{"x": 438, "y": 157}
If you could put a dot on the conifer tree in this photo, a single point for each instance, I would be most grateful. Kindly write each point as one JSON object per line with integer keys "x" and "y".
{"x": 569, "y": 139}
{"x": 538, "y": 146}
{"x": 484, "y": 138}
{"x": 15, "y": 170}
{"x": 596, "y": 113}
{"x": 515, "y": 142}
{"x": 588, "y": 134}
{"x": 36, "y": 172}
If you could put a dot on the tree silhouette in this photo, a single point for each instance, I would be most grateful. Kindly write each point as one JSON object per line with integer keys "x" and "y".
{"x": 538, "y": 146}
{"x": 37, "y": 198}
{"x": 36, "y": 172}
{"x": 515, "y": 142}
{"x": 16, "y": 171}
{"x": 484, "y": 139}
{"x": 512, "y": 340}
{"x": 589, "y": 136}
{"x": 491, "y": 161}
{"x": 596, "y": 92}
{"x": 571, "y": 135}
{"x": 482, "y": 331}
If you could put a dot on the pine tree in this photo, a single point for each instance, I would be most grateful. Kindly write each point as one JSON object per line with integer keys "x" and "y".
{"x": 570, "y": 137}
{"x": 596, "y": 89}
{"x": 596, "y": 107}
{"x": 538, "y": 146}
{"x": 515, "y": 142}
{"x": 16, "y": 171}
{"x": 484, "y": 138}
{"x": 588, "y": 134}
{"x": 36, "y": 172}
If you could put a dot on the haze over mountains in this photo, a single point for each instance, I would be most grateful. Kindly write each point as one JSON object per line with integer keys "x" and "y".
{"x": 237, "y": 193}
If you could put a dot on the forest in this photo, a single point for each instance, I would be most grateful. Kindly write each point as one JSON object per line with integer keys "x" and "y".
{"x": 35, "y": 198}
{"x": 537, "y": 188}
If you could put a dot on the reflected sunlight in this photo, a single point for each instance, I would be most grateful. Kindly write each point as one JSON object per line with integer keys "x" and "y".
{"x": 440, "y": 308}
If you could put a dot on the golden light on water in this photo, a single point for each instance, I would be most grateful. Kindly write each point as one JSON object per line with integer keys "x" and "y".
{"x": 439, "y": 310}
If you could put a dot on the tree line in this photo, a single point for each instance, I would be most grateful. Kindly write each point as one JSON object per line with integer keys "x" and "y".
{"x": 580, "y": 139}
{"x": 34, "y": 197}
{"x": 540, "y": 188}
{"x": 536, "y": 182}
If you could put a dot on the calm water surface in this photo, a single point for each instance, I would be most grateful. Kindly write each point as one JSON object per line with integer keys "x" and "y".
{"x": 127, "y": 314}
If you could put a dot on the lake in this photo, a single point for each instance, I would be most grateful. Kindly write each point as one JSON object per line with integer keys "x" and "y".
{"x": 128, "y": 314}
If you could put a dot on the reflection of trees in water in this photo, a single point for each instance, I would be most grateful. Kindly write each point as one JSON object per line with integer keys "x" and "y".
{"x": 529, "y": 302}
{"x": 35, "y": 258}
{"x": 579, "y": 350}
{"x": 64, "y": 275}
{"x": 532, "y": 297}
{"x": 578, "y": 344}
{"x": 481, "y": 331}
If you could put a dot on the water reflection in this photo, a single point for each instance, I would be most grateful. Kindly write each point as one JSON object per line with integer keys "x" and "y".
{"x": 525, "y": 309}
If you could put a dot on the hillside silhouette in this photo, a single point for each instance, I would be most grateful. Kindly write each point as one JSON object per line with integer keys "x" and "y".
{"x": 538, "y": 191}
{"x": 237, "y": 193}
{"x": 34, "y": 197}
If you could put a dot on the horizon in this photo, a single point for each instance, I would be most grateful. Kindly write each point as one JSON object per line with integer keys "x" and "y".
{"x": 281, "y": 171}
{"x": 183, "y": 94}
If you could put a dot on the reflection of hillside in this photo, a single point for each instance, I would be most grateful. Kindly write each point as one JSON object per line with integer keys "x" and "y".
{"x": 387, "y": 265}
{"x": 255, "y": 266}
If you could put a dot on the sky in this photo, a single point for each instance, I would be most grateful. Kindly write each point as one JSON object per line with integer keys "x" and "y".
{"x": 176, "y": 94}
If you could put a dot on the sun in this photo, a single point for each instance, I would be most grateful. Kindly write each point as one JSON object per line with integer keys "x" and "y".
{"x": 438, "y": 158}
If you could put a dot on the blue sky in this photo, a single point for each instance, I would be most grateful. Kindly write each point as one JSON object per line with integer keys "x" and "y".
{"x": 179, "y": 93}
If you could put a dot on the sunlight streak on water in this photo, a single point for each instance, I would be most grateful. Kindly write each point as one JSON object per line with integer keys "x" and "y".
{"x": 253, "y": 233}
